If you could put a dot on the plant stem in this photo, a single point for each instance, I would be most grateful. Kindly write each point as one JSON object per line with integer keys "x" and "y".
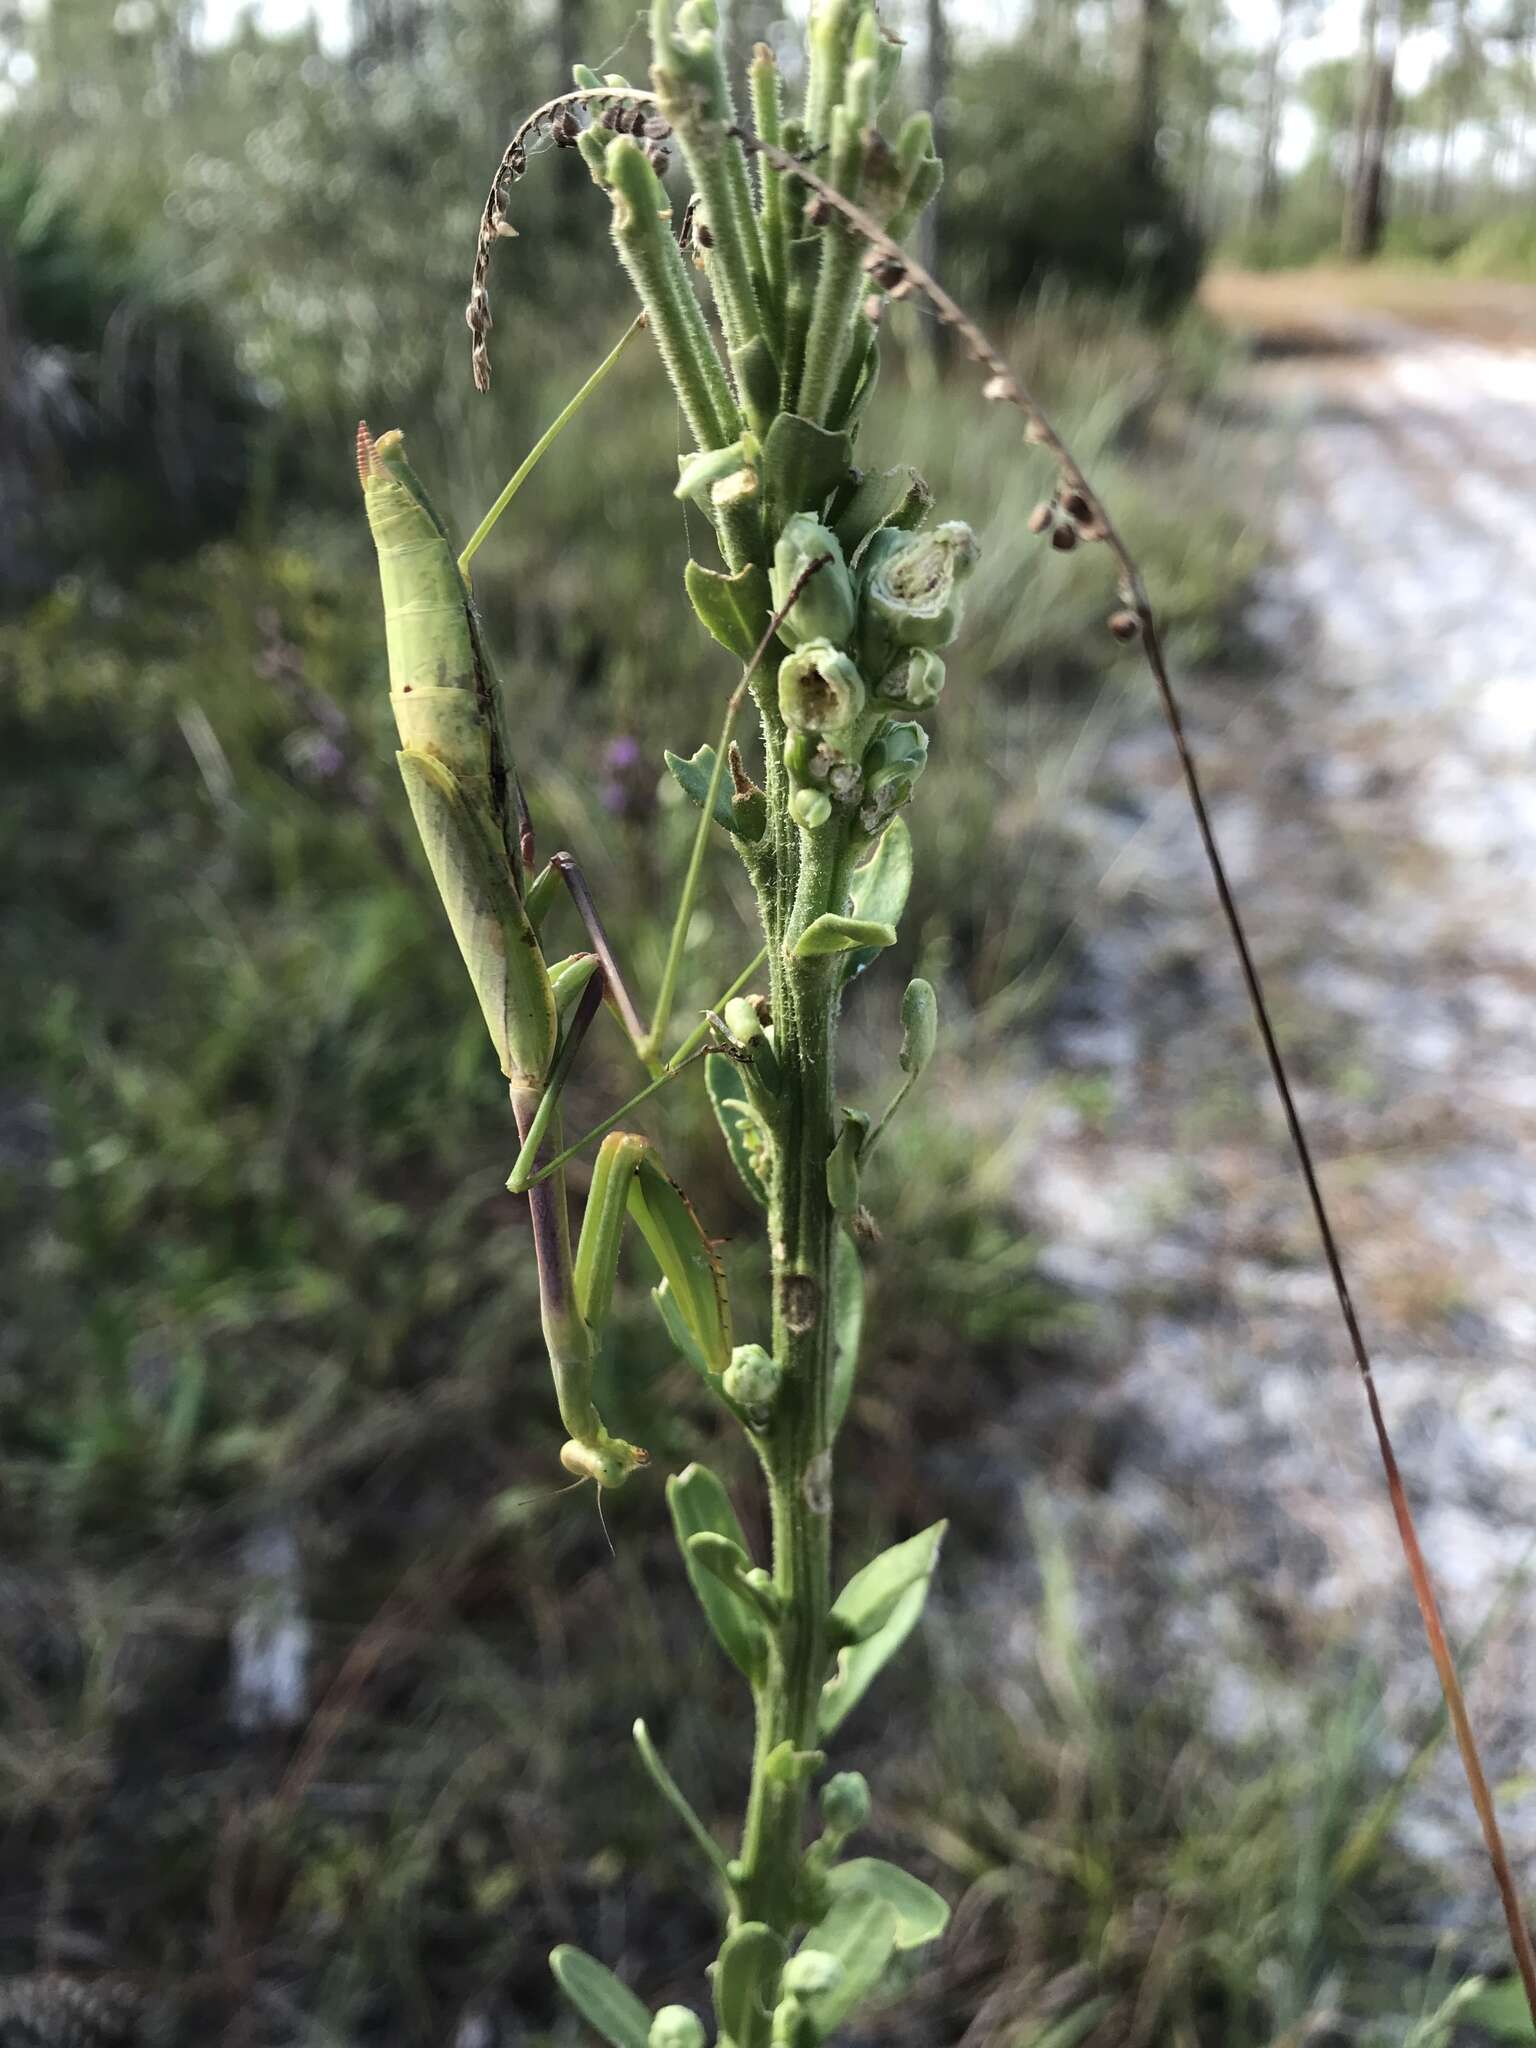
{"x": 796, "y": 1449}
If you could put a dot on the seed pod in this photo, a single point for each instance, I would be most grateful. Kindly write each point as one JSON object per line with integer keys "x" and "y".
{"x": 824, "y": 609}
{"x": 1064, "y": 539}
{"x": 917, "y": 679}
{"x": 810, "y": 809}
{"x": 1124, "y": 625}
{"x": 820, "y": 690}
{"x": 1076, "y": 506}
{"x": 910, "y": 591}
{"x": 892, "y": 765}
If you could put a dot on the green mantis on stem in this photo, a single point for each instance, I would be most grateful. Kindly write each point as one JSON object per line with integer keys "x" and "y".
{"x": 456, "y": 763}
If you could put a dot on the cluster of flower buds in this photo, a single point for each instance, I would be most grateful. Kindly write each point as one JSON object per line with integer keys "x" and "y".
{"x": 864, "y": 647}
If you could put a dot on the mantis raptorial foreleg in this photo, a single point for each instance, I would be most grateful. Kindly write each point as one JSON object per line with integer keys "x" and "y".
{"x": 456, "y": 763}
{"x": 566, "y": 868}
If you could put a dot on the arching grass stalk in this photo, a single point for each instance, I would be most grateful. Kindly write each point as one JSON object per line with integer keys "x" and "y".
{"x": 839, "y": 573}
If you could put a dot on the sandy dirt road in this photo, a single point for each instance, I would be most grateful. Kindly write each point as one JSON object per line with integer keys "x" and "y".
{"x": 1374, "y": 784}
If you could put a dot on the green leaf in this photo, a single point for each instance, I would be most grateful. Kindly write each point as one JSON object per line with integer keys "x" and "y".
{"x": 847, "y": 1323}
{"x": 1501, "y": 2010}
{"x": 833, "y": 934}
{"x": 730, "y": 1564}
{"x": 884, "y": 497}
{"x": 921, "y": 1915}
{"x": 745, "y": 1138}
{"x": 603, "y": 2002}
{"x": 879, "y": 888}
{"x": 735, "y": 609}
{"x": 698, "y": 1502}
{"x": 802, "y": 464}
{"x": 860, "y": 1664}
{"x": 860, "y": 1931}
{"x": 872, "y": 1595}
{"x": 868, "y": 373}
{"x": 757, "y": 379}
{"x": 693, "y": 778}
{"x": 746, "y": 1978}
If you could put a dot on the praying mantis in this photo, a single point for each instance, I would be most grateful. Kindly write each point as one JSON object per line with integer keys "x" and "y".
{"x": 474, "y": 824}
{"x": 460, "y": 779}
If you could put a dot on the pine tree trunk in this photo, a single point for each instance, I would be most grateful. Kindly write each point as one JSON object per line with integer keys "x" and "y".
{"x": 1365, "y": 206}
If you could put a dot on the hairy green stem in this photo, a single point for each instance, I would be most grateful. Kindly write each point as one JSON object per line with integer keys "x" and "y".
{"x": 796, "y": 1449}
{"x": 656, "y": 268}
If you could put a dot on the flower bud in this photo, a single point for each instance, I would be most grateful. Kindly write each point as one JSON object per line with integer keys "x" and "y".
{"x": 845, "y": 1802}
{"x": 911, "y": 590}
{"x": 812, "y": 1974}
{"x": 916, "y": 679}
{"x": 676, "y": 2027}
{"x": 698, "y": 474}
{"x": 752, "y": 1380}
{"x": 824, "y": 609}
{"x": 820, "y": 690}
{"x": 744, "y": 1024}
{"x": 742, "y": 1020}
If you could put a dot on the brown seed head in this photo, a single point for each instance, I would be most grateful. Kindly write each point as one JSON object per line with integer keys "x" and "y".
{"x": 1124, "y": 625}
{"x": 1064, "y": 538}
